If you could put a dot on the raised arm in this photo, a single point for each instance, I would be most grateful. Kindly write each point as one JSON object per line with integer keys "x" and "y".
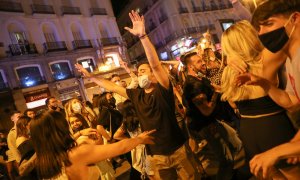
{"x": 110, "y": 86}
{"x": 134, "y": 79}
{"x": 138, "y": 29}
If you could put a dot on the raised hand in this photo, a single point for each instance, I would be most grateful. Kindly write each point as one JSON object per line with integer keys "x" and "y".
{"x": 146, "y": 138}
{"x": 81, "y": 69}
{"x": 138, "y": 24}
{"x": 124, "y": 65}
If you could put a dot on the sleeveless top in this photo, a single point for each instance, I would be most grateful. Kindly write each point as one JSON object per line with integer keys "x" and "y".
{"x": 94, "y": 173}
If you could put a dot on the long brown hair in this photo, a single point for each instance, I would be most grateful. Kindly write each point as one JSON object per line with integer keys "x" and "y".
{"x": 52, "y": 140}
{"x": 22, "y": 130}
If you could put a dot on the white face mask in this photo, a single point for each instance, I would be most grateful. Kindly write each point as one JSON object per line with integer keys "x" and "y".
{"x": 212, "y": 58}
{"x": 118, "y": 83}
{"x": 144, "y": 81}
{"x": 76, "y": 107}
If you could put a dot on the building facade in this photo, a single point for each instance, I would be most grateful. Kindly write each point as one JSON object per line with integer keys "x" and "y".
{"x": 41, "y": 40}
{"x": 173, "y": 25}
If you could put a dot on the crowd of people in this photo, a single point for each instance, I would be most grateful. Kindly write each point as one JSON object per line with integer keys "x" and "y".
{"x": 229, "y": 112}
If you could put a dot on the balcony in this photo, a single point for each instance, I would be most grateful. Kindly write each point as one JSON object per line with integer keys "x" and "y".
{"x": 214, "y": 7}
{"x": 223, "y": 6}
{"x": 197, "y": 9}
{"x": 163, "y": 18}
{"x": 55, "y": 46}
{"x": 42, "y": 9}
{"x": 10, "y": 6}
{"x": 70, "y": 10}
{"x": 98, "y": 11}
{"x": 22, "y": 49}
{"x": 109, "y": 41}
{"x": 81, "y": 44}
{"x": 192, "y": 30}
{"x": 174, "y": 36}
{"x": 183, "y": 10}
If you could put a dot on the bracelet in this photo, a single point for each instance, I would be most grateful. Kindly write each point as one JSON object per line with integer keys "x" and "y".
{"x": 143, "y": 36}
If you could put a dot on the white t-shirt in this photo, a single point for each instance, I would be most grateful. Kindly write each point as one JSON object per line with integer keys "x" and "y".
{"x": 293, "y": 75}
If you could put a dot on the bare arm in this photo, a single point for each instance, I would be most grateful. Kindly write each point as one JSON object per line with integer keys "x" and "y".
{"x": 110, "y": 86}
{"x": 271, "y": 64}
{"x": 207, "y": 107}
{"x": 279, "y": 96}
{"x": 138, "y": 29}
{"x": 266, "y": 160}
{"x": 120, "y": 134}
{"x": 102, "y": 131}
{"x": 89, "y": 154}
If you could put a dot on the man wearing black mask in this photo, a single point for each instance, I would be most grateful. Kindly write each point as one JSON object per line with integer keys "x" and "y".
{"x": 53, "y": 104}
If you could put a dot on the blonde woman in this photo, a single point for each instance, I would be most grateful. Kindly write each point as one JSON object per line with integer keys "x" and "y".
{"x": 263, "y": 123}
{"x": 74, "y": 106}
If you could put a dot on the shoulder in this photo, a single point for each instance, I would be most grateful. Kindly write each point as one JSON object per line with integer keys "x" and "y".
{"x": 83, "y": 150}
{"x": 20, "y": 140}
{"x": 131, "y": 93}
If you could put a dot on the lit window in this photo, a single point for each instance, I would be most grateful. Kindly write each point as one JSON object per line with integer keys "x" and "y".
{"x": 88, "y": 64}
{"x": 61, "y": 70}
{"x": 29, "y": 76}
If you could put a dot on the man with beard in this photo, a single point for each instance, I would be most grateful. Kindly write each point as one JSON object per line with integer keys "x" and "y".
{"x": 53, "y": 104}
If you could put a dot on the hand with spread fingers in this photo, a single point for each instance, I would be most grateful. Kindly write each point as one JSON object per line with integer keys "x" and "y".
{"x": 81, "y": 69}
{"x": 249, "y": 79}
{"x": 138, "y": 24}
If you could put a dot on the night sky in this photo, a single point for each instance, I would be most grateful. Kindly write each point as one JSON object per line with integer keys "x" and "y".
{"x": 118, "y": 6}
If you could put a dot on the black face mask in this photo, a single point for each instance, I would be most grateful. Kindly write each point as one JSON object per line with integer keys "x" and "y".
{"x": 274, "y": 40}
{"x": 112, "y": 101}
{"x": 54, "y": 108}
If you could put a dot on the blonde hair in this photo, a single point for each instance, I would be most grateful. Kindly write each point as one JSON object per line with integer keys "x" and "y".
{"x": 240, "y": 42}
{"x": 87, "y": 113}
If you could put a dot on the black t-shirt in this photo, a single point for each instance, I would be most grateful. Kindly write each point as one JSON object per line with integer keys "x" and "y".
{"x": 107, "y": 114}
{"x": 156, "y": 110}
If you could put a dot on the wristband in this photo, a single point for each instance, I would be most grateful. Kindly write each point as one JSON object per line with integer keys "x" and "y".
{"x": 143, "y": 36}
